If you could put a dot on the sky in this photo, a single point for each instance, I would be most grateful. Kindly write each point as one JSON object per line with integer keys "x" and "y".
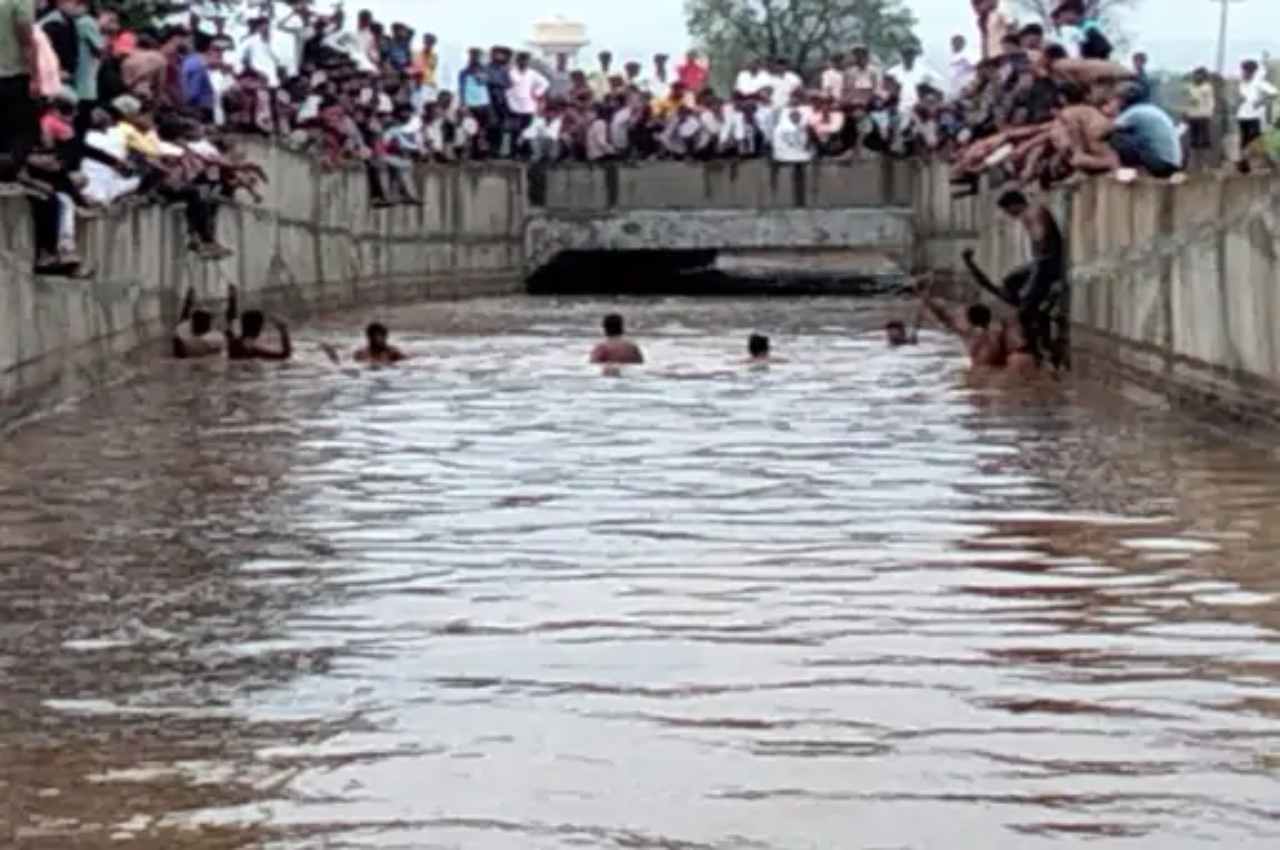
{"x": 1177, "y": 34}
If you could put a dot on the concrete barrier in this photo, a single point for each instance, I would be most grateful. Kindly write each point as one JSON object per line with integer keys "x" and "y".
{"x": 314, "y": 245}
{"x": 1175, "y": 288}
{"x": 729, "y": 184}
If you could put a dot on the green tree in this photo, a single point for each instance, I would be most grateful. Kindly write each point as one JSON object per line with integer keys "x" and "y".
{"x": 803, "y": 32}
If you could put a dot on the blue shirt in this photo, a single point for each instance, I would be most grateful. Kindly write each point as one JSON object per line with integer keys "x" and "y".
{"x": 197, "y": 88}
{"x": 473, "y": 86}
{"x": 1155, "y": 133}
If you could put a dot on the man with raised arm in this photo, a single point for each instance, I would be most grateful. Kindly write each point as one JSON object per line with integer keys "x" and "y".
{"x": 245, "y": 344}
{"x": 193, "y": 337}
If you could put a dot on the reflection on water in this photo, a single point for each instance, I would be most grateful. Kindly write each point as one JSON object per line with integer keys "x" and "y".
{"x": 493, "y": 600}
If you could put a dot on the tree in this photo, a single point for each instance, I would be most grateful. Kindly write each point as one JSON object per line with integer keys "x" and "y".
{"x": 803, "y": 32}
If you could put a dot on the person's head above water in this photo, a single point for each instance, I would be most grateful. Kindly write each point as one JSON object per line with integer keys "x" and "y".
{"x": 251, "y": 324}
{"x": 896, "y": 333}
{"x": 377, "y": 334}
{"x": 614, "y": 326}
{"x": 201, "y": 322}
{"x": 979, "y": 316}
{"x": 758, "y": 346}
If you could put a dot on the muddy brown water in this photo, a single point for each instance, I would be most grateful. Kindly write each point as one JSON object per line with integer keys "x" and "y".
{"x": 495, "y": 600}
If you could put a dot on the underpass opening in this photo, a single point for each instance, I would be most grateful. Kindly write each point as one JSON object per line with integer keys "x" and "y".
{"x": 718, "y": 273}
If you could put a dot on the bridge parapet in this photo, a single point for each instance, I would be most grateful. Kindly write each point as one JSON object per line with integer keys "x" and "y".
{"x": 730, "y": 184}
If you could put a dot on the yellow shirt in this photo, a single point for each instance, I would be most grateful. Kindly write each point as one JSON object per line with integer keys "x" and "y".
{"x": 665, "y": 107}
{"x": 428, "y": 63}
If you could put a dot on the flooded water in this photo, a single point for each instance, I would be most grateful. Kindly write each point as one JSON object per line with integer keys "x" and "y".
{"x": 495, "y": 600}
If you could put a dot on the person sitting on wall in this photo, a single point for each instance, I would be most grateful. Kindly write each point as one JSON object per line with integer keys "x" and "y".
{"x": 1144, "y": 136}
{"x": 616, "y": 348}
{"x": 192, "y": 337}
{"x": 244, "y": 345}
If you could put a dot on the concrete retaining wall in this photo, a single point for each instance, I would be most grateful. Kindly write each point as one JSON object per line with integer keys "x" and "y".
{"x": 749, "y": 184}
{"x": 314, "y": 245}
{"x": 1175, "y": 288}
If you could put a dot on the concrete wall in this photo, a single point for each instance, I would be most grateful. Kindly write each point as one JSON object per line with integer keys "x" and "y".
{"x": 314, "y": 245}
{"x": 730, "y": 184}
{"x": 887, "y": 233}
{"x": 1175, "y": 288}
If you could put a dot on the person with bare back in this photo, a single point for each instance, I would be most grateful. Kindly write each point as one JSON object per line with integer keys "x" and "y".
{"x": 616, "y": 349}
{"x": 984, "y": 342}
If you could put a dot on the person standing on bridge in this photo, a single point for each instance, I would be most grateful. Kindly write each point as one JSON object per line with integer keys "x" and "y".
{"x": 616, "y": 350}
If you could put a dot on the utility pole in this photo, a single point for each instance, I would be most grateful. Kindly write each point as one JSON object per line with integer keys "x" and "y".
{"x": 1222, "y": 34}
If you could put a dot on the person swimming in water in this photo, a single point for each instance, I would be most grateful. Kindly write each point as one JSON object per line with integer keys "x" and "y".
{"x": 986, "y": 345}
{"x": 245, "y": 344}
{"x": 895, "y": 333}
{"x": 378, "y": 350}
{"x": 192, "y": 338}
{"x": 616, "y": 349}
{"x": 758, "y": 349}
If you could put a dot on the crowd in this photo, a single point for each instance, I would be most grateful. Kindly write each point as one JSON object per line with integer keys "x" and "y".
{"x": 98, "y": 113}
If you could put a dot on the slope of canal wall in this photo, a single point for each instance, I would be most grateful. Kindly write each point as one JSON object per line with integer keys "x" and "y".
{"x": 314, "y": 245}
{"x": 1175, "y": 288}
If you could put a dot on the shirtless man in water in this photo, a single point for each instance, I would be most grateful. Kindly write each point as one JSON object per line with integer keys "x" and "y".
{"x": 986, "y": 344}
{"x": 192, "y": 338}
{"x": 378, "y": 350}
{"x": 616, "y": 348}
{"x": 246, "y": 345}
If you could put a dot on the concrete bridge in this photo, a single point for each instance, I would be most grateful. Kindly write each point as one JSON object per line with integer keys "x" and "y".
{"x": 862, "y": 209}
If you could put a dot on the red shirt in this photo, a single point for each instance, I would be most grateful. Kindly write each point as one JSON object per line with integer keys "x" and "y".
{"x": 694, "y": 76}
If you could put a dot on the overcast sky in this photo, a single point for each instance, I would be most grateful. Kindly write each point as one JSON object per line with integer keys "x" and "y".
{"x": 1177, "y": 33}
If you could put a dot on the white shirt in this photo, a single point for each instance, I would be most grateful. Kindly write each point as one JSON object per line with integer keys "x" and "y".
{"x": 784, "y": 86}
{"x": 656, "y": 88}
{"x": 256, "y": 53}
{"x": 911, "y": 81}
{"x": 527, "y": 87}
{"x": 766, "y": 120}
{"x": 750, "y": 83}
{"x": 733, "y": 125}
{"x": 620, "y": 129}
{"x": 832, "y": 83}
{"x": 222, "y": 82}
{"x": 354, "y": 47}
{"x": 791, "y": 138}
{"x": 1253, "y": 98}
{"x": 310, "y": 109}
{"x": 541, "y": 128}
{"x": 963, "y": 70}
